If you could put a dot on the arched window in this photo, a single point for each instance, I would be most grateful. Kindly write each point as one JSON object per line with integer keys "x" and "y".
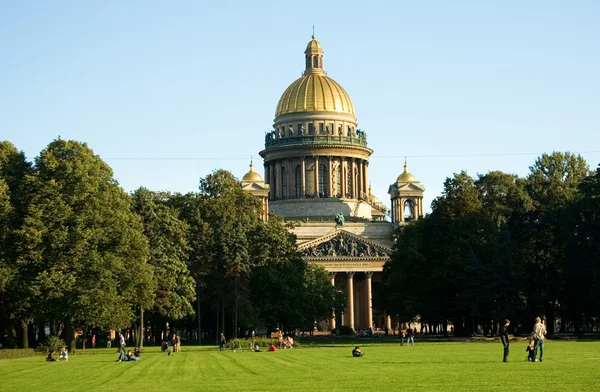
{"x": 298, "y": 181}
{"x": 316, "y": 62}
{"x": 409, "y": 210}
{"x": 284, "y": 183}
{"x": 323, "y": 192}
{"x": 307, "y": 62}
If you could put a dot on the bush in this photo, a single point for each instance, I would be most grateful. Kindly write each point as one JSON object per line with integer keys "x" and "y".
{"x": 344, "y": 330}
{"x": 53, "y": 343}
{"x": 13, "y": 353}
{"x": 246, "y": 344}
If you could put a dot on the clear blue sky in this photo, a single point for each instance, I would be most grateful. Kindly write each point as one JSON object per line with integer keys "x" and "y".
{"x": 145, "y": 81}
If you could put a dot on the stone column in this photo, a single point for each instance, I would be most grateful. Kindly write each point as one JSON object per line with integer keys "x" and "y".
{"x": 350, "y": 292}
{"x": 343, "y": 177}
{"x": 361, "y": 189}
{"x": 369, "y": 300}
{"x": 317, "y": 175}
{"x": 272, "y": 189}
{"x": 332, "y": 321}
{"x": 278, "y": 181}
{"x": 330, "y": 176}
{"x": 388, "y": 322}
{"x": 353, "y": 171}
{"x": 303, "y": 177}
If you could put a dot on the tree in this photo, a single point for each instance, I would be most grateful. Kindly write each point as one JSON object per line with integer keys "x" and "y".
{"x": 167, "y": 238}
{"x": 84, "y": 249}
{"x": 14, "y": 198}
{"x": 551, "y": 185}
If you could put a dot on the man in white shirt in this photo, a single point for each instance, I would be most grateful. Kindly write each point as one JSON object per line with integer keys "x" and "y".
{"x": 539, "y": 336}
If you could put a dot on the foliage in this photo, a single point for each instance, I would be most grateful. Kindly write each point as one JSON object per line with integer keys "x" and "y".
{"x": 14, "y": 353}
{"x": 345, "y": 330}
{"x": 53, "y": 343}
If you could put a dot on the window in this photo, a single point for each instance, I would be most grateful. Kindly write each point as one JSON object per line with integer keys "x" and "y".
{"x": 409, "y": 210}
{"x": 298, "y": 181}
{"x": 311, "y": 129}
{"x": 284, "y": 183}
{"x": 316, "y": 62}
{"x": 323, "y": 181}
{"x": 321, "y": 129}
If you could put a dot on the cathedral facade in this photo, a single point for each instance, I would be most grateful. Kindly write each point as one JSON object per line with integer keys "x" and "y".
{"x": 316, "y": 173}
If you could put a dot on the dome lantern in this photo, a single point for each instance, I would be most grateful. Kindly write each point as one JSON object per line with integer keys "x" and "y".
{"x": 314, "y": 57}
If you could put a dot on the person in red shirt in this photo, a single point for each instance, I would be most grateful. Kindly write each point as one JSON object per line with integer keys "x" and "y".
{"x": 272, "y": 347}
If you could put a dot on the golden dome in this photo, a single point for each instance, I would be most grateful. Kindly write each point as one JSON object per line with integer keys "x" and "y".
{"x": 314, "y": 91}
{"x": 406, "y": 176}
{"x": 252, "y": 175}
{"x": 313, "y": 46}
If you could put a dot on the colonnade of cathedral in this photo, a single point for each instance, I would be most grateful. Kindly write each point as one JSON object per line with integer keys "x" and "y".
{"x": 358, "y": 312}
{"x": 318, "y": 176}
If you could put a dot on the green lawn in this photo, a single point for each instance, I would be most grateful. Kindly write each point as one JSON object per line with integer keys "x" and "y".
{"x": 567, "y": 366}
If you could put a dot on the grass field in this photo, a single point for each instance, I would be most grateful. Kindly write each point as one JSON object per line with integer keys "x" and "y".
{"x": 567, "y": 366}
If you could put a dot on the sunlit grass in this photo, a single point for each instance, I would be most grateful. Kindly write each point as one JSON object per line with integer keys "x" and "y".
{"x": 567, "y": 366}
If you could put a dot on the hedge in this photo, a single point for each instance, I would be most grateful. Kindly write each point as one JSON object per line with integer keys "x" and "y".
{"x": 13, "y": 353}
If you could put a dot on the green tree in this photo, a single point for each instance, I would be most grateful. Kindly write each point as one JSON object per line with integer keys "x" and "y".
{"x": 15, "y": 309}
{"x": 85, "y": 248}
{"x": 167, "y": 239}
{"x": 551, "y": 185}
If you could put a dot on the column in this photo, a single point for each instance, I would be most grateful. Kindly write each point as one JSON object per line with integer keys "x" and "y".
{"x": 330, "y": 176}
{"x": 366, "y": 175}
{"x": 344, "y": 178}
{"x": 303, "y": 177}
{"x": 332, "y": 320}
{"x": 353, "y": 171}
{"x": 350, "y": 292}
{"x": 388, "y": 322}
{"x": 278, "y": 181}
{"x": 272, "y": 188}
{"x": 361, "y": 190}
{"x": 369, "y": 300}
{"x": 317, "y": 176}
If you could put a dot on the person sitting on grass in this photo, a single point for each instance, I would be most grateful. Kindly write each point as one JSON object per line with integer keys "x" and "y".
{"x": 531, "y": 351}
{"x": 356, "y": 352}
{"x": 256, "y": 348}
{"x": 51, "y": 356}
{"x": 289, "y": 342}
{"x": 64, "y": 354}
{"x": 137, "y": 352}
{"x": 131, "y": 357}
{"x": 272, "y": 347}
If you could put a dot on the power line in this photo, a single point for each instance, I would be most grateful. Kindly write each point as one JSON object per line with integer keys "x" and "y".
{"x": 373, "y": 157}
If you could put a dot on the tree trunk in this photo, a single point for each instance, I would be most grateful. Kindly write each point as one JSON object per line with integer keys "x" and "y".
{"x": 84, "y": 337}
{"x": 142, "y": 330}
{"x": 235, "y": 323}
{"x": 217, "y": 331}
{"x": 25, "y": 331}
{"x": 223, "y": 315}
{"x": 198, "y": 314}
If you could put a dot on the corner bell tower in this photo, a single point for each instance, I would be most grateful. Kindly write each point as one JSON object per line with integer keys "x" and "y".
{"x": 407, "y": 198}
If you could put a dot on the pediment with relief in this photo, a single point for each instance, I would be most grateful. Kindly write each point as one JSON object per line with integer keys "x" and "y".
{"x": 344, "y": 245}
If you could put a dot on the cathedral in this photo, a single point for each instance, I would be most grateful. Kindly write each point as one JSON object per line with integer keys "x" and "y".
{"x": 316, "y": 173}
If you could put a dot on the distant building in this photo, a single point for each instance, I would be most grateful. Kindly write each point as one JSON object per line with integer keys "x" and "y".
{"x": 316, "y": 172}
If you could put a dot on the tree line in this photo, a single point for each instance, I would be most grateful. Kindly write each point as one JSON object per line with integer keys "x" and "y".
{"x": 499, "y": 246}
{"x": 78, "y": 253}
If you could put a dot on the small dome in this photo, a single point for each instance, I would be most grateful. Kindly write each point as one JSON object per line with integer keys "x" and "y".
{"x": 252, "y": 175}
{"x": 313, "y": 46}
{"x": 406, "y": 176}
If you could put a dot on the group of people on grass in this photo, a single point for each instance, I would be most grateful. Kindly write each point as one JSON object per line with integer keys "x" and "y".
{"x": 536, "y": 340}
{"x": 64, "y": 355}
